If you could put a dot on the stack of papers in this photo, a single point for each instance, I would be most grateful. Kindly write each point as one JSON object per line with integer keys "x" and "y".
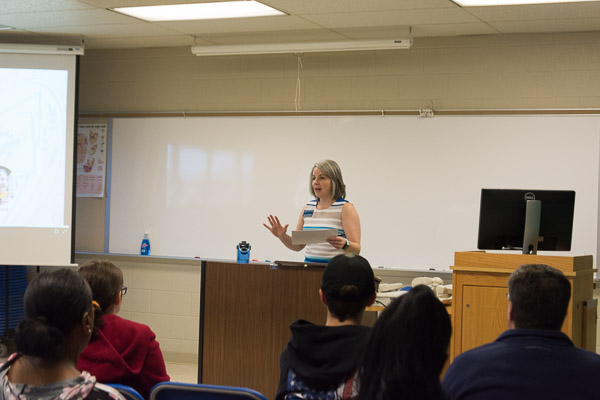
{"x": 312, "y": 236}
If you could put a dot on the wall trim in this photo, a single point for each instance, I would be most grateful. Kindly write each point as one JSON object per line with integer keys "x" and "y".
{"x": 383, "y": 113}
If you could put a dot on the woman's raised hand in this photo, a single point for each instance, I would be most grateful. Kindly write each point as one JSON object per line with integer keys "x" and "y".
{"x": 275, "y": 226}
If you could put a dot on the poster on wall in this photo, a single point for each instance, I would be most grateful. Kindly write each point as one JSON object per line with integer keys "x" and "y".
{"x": 91, "y": 159}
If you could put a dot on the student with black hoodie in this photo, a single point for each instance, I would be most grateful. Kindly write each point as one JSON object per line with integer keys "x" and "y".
{"x": 321, "y": 360}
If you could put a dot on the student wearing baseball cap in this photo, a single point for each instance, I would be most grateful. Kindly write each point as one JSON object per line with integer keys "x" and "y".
{"x": 322, "y": 359}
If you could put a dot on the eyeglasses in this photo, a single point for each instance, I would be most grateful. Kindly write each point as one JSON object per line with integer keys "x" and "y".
{"x": 123, "y": 290}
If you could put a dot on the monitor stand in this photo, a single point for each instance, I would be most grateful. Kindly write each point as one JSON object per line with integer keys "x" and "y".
{"x": 531, "y": 235}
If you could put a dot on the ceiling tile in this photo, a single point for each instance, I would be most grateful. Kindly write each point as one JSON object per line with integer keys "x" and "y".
{"x": 345, "y": 6}
{"x": 269, "y": 37}
{"x": 381, "y": 18}
{"x": 139, "y": 29}
{"x": 559, "y": 25}
{"x": 377, "y": 32}
{"x": 134, "y": 3}
{"x": 64, "y": 18}
{"x": 24, "y": 6}
{"x": 476, "y": 28}
{"x": 537, "y": 12}
{"x": 259, "y": 24}
{"x": 139, "y": 42}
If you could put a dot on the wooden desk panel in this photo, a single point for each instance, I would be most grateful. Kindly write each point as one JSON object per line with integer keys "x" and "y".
{"x": 246, "y": 310}
{"x": 479, "y": 295}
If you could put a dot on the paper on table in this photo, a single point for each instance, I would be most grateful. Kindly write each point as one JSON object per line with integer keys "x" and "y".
{"x": 312, "y": 236}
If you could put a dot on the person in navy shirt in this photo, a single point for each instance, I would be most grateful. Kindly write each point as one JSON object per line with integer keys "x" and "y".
{"x": 533, "y": 359}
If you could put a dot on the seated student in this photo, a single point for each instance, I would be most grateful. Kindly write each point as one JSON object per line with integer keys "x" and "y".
{"x": 533, "y": 359}
{"x": 121, "y": 351}
{"x": 407, "y": 349}
{"x": 57, "y": 326}
{"x": 321, "y": 360}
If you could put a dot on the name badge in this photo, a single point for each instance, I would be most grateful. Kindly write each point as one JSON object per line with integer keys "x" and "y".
{"x": 308, "y": 213}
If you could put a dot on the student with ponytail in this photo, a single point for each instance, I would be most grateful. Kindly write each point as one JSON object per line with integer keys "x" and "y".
{"x": 120, "y": 351}
{"x": 57, "y": 326}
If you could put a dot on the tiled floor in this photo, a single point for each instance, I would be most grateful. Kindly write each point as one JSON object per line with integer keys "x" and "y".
{"x": 187, "y": 373}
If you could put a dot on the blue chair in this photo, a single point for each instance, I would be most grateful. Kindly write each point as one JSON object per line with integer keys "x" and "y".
{"x": 127, "y": 391}
{"x": 191, "y": 391}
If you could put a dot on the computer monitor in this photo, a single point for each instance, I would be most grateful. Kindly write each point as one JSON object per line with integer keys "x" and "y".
{"x": 526, "y": 220}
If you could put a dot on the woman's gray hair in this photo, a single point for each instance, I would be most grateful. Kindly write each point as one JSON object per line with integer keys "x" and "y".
{"x": 333, "y": 171}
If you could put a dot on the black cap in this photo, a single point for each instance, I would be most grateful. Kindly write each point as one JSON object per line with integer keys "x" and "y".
{"x": 348, "y": 270}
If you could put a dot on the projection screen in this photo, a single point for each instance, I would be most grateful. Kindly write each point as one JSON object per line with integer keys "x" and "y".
{"x": 37, "y": 123}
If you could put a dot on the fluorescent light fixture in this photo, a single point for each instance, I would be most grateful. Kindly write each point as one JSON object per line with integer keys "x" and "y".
{"x": 41, "y": 49}
{"x": 302, "y": 47}
{"x": 478, "y": 3}
{"x": 183, "y": 12}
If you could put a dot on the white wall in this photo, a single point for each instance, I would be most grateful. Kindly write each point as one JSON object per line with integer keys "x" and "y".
{"x": 202, "y": 185}
{"x": 525, "y": 71}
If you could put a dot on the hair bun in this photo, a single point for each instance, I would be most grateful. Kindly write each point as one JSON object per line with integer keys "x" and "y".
{"x": 349, "y": 292}
{"x": 35, "y": 337}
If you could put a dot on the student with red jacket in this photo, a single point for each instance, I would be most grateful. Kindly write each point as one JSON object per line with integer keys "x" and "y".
{"x": 120, "y": 351}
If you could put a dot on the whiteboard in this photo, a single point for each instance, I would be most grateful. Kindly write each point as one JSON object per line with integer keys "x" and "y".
{"x": 201, "y": 185}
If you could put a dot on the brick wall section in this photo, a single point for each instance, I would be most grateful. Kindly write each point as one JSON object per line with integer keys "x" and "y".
{"x": 554, "y": 70}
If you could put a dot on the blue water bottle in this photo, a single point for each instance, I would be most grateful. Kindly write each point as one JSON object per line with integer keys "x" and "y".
{"x": 243, "y": 252}
{"x": 145, "y": 248}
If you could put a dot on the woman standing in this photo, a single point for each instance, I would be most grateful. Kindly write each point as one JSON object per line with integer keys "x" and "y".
{"x": 329, "y": 209}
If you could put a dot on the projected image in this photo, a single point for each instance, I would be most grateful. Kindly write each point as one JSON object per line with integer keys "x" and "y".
{"x": 4, "y": 191}
{"x": 33, "y": 115}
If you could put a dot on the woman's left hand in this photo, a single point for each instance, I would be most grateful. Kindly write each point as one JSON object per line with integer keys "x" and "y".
{"x": 351, "y": 226}
{"x": 336, "y": 241}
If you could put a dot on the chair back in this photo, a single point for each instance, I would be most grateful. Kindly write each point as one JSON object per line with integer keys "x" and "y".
{"x": 126, "y": 391}
{"x": 191, "y": 391}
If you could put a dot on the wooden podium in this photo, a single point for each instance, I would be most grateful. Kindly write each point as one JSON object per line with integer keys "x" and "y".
{"x": 480, "y": 303}
{"x": 245, "y": 314}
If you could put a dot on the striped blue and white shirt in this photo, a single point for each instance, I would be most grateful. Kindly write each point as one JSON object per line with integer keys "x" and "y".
{"x": 330, "y": 218}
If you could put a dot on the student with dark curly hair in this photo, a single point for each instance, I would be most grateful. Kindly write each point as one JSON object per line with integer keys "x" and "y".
{"x": 58, "y": 324}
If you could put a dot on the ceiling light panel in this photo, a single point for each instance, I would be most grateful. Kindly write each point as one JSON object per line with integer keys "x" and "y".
{"x": 480, "y": 3}
{"x": 197, "y": 11}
